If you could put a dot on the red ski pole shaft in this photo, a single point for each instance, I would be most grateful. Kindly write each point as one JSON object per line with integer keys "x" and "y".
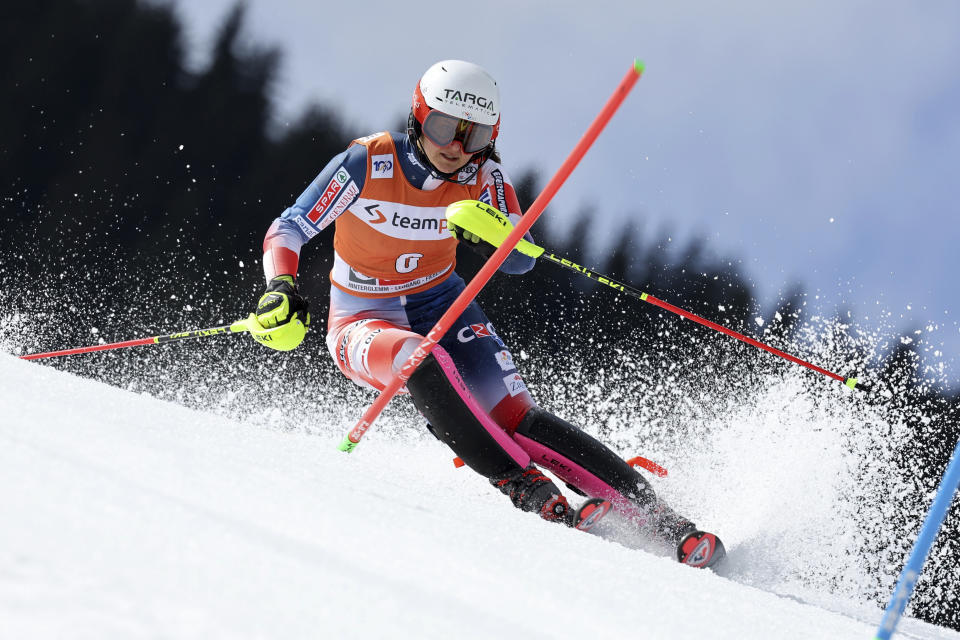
{"x": 352, "y": 438}
{"x": 739, "y": 336}
{"x": 236, "y": 327}
{"x": 646, "y": 297}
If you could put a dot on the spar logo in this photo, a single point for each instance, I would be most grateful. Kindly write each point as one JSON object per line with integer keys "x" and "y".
{"x": 329, "y": 195}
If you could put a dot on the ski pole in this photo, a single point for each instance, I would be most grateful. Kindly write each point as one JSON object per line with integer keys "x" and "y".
{"x": 353, "y": 437}
{"x": 488, "y": 223}
{"x": 237, "y": 327}
{"x": 921, "y": 548}
{"x": 646, "y": 297}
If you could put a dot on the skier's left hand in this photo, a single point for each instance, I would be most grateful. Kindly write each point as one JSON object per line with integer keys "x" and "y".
{"x": 472, "y": 240}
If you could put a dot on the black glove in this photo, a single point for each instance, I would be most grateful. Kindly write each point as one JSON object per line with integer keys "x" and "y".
{"x": 281, "y": 303}
{"x": 472, "y": 240}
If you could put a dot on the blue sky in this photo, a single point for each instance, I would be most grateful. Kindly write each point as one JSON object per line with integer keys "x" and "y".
{"x": 819, "y": 142}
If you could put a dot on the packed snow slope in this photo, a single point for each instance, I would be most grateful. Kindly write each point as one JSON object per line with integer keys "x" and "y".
{"x": 125, "y": 516}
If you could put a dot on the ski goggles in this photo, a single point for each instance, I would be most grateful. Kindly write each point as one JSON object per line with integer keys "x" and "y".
{"x": 442, "y": 129}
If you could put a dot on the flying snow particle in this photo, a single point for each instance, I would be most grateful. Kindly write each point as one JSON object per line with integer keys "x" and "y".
{"x": 759, "y": 321}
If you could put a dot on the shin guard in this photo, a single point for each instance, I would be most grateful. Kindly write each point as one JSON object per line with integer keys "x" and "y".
{"x": 585, "y": 463}
{"x": 441, "y": 395}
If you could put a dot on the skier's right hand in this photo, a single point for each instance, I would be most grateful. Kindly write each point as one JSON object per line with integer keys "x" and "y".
{"x": 283, "y": 314}
{"x": 281, "y": 303}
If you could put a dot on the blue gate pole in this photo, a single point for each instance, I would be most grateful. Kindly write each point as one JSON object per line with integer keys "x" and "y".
{"x": 928, "y": 533}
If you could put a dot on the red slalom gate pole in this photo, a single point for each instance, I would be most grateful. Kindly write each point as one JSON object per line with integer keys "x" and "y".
{"x": 352, "y": 438}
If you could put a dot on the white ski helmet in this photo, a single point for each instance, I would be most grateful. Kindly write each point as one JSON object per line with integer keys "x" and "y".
{"x": 463, "y": 91}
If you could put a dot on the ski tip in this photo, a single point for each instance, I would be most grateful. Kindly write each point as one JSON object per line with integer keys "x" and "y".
{"x": 638, "y": 66}
{"x": 589, "y": 514}
{"x": 701, "y": 550}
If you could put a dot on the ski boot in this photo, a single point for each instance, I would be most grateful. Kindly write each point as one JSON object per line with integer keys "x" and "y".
{"x": 530, "y": 490}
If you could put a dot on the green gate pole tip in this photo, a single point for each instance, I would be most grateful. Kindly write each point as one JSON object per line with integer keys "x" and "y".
{"x": 347, "y": 445}
{"x": 851, "y": 382}
{"x": 638, "y": 66}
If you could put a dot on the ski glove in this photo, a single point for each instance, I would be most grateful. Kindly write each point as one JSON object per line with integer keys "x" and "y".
{"x": 472, "y": 240}
{"x": 283, "y": 314}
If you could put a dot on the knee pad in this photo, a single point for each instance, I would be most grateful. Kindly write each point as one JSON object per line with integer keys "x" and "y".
{"x": 583, "y": 462}
{"x": 366, "y": 350}
{"x": 441, "y": 395}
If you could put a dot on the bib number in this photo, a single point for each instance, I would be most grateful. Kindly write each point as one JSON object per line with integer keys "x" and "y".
{"x": 407, "y": 262}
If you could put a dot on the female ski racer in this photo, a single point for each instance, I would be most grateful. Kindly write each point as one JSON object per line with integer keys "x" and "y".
{"x": 393, "y": 277}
